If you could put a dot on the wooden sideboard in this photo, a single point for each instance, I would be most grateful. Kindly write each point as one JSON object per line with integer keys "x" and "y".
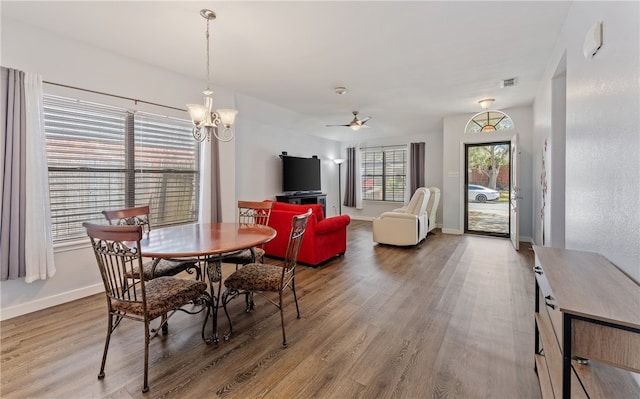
{"x": 587, "y": 326}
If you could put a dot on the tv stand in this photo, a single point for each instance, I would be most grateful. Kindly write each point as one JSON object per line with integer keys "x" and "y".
{"x": 304, "y": 199}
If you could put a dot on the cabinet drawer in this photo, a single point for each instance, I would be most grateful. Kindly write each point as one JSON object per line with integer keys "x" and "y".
{"x": 550, "y": 310}
{"x": 551, "y": 351}
{"x": 577, "y": 392}
{"x": 543, "y": 376}
{"x": 548, "y": 305}
{"x": 546, "y": 389}
{"x": 614, "y": 346}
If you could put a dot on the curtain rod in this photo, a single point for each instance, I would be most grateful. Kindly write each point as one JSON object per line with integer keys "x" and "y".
{"x": 384, "y": 146}
{"x": 135, "y": 101}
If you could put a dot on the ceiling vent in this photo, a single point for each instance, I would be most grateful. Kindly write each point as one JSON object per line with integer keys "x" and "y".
{"x": 508, "y": 82}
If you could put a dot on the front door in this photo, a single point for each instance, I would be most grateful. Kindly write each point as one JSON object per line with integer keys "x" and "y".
{"x": 487, "y": 186}
{"x": 514, "y": 194}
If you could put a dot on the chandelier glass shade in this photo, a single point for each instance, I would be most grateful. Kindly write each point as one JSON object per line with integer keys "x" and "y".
{"x": 206, "y": 121}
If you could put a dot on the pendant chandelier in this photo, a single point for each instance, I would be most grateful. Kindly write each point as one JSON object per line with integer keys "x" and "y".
{"x": 205, "y": 120}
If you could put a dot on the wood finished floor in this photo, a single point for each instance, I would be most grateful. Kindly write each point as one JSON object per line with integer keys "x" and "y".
{"x": 449, "y": 318}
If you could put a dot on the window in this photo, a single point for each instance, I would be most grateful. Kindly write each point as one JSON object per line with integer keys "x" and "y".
{"x": 488, "y": 121}
{"x": 384, "y": 174}
{"x": 102, "y": 157}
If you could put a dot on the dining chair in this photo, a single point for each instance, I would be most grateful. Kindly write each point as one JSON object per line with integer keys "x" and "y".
{"x": 250, "y": 212}
{"x": 262, "y": 278}
{"x": 140, "y": 216}
{"x": 117, "y": 251}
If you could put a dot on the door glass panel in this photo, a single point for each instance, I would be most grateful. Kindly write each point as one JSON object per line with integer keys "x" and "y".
{"x": 487, "y": 184}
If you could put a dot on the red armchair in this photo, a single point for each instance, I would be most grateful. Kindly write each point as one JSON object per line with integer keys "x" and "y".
{"x": 323, "y": 239}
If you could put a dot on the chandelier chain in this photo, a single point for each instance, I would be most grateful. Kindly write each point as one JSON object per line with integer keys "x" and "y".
{"x": 208, "y": 67}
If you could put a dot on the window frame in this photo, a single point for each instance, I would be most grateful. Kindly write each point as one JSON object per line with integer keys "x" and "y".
{"x": 125, "y": 169}
{"x": 377, "y": 160}
{"x": 487, "y": 122}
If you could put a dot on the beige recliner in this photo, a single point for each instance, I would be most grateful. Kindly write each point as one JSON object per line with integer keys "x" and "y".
{"x": 404, "y": 226}
{"x": 432, "y": 207}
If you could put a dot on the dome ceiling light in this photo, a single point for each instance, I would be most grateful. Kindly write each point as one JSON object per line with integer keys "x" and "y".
{"x": 340, "y": 90}
{"x": 486, "y": 102}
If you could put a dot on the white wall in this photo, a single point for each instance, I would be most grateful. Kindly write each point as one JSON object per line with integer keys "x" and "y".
{"x": 453, "y": 167}
{"x": 264, "y": 132}
{"x": 268, "y": 130}
{"x": 602, "y": 211}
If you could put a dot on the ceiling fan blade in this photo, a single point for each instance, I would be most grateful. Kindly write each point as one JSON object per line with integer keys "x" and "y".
{"x": 356, "y": 123}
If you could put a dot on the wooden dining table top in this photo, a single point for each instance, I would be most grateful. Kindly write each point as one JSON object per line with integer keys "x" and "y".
{"x": 203, "y": 239}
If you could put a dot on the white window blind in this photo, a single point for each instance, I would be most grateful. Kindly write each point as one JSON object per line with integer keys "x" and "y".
{"x": 102, "y": 157}
{"x": 166, "y": 165}
{"x": 384, "y": 173}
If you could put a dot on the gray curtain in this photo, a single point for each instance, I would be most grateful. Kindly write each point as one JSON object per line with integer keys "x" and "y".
{"x": 216, "y": 198}
{"x": 12, "y": 170}
{"x": 416, "y": 170}
{"x": 351, "y": 179}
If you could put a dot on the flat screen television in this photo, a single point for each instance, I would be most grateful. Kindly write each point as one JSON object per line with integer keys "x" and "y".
{"x": 300, "y": 174}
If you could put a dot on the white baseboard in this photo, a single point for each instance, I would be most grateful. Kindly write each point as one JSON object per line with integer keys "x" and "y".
{"x": 527, "y": 239}
{"x": 454, "y": 231}
{"x": 365, "y": 218}
{"x": 370, "y": 219}
{"x": 48, "y": 302}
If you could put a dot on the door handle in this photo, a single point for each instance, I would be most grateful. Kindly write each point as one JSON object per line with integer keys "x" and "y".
{"x": 550, "y": 301}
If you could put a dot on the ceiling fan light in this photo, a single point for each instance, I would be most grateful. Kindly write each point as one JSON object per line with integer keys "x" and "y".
{"x": 355, "y": 127}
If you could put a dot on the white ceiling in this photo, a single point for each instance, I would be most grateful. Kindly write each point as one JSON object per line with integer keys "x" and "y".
{"x": 405, "y": 64}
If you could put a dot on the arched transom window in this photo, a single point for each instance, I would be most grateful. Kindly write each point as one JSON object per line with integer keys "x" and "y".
{"x": 488, "y": 121}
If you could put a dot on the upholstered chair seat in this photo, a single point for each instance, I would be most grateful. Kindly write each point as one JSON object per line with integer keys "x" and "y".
{"x": 163, "y": 294}
{"x": 245, "y": 257}
{"x": 255, "y": 277}
{"x": 164, "y": 268}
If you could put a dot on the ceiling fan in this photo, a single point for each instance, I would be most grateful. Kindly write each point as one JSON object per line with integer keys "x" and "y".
{"x": 356, "y": 123}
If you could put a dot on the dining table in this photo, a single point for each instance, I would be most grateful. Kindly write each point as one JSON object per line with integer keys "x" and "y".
{"x": 207, "y": 244}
